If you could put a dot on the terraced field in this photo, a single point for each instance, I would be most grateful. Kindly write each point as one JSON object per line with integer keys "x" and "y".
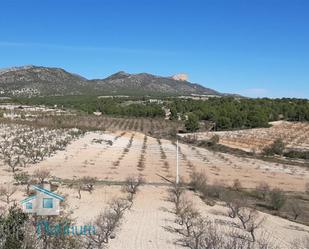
{"x": 294, "y": 135}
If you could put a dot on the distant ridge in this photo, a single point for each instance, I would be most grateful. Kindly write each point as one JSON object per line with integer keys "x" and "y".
{"x": 28, "y": 81}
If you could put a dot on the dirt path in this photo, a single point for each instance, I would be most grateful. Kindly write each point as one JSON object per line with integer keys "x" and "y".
{"x": 143, "y": 227}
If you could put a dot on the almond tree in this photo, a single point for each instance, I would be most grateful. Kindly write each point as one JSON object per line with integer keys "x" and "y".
{"x": 250, "y": 221}
{"x": 197, "y": 232}
{"x": 6, "y": 192}
{"x": 85, "y": 183}
{"x": 131, "y": 186}
{"x": 175, "y": 194}
{"x": 234, "y": 204}
{"x": 107, "y": 224}
{"x": 295, "y": 208}
{"x": 13, "y": 161}
{"x": 263, "y": 189}
{"x": 42, "y": 175}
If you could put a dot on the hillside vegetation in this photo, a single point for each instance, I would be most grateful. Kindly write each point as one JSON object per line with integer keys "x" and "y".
{"x": 224, "y": 113}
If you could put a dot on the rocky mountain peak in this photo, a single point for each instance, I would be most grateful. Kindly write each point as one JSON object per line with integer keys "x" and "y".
{"x": 27, "y": 81}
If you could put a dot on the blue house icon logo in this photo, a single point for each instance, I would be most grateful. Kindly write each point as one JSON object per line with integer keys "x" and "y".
{"x": 44, "y": 202}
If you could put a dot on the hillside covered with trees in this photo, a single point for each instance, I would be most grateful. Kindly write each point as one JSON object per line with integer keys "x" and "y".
{"x": 225, "y": 113}
{"x": 230, "y": 113}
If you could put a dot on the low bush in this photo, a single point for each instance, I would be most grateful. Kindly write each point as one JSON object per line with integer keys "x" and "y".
{"x": 276, "y": 148}
{"x": 297, "y": 154}
{"x": 237, "y": 186}
{"x": 198, "y": 181}
{"x": 262, "y": 190}
{"x": 277, "y": 199}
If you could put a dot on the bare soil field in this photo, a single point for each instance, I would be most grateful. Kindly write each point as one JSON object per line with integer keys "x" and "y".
{"x": 146, "y": 225}
{"x": 113, "y": 156}
{"x": 294, "y": 135}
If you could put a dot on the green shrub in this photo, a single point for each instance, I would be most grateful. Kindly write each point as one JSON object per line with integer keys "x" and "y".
{"x": 277, "y": 199}
{"x": 276, "y": 148}
{"x": 215, "y": 139}
{"x": 297, "y": 154}
{"x": 214, "y": 191}
{"x": 192, "y": 124}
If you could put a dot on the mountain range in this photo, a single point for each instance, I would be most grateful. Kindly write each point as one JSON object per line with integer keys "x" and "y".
{"x": 28, "y": 81}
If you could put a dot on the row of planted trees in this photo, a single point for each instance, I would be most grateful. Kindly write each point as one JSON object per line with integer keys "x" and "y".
{"x": 243, "y": 227}
{"x": 23, "y": 145}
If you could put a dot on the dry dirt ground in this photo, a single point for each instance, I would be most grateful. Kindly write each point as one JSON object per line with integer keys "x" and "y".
{"x": 84, "y": 157}
{"x": 114, "y": 156}
{"x": 145, "y": 225}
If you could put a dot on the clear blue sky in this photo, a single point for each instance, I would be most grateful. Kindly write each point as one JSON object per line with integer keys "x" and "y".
{"x": 251, "y": 47}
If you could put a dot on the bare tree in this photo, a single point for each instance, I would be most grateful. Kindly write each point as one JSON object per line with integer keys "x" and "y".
{"x": 234, "y": 203}
{"x": 41, "y": 175}
{"x": 131, "y": 186}
{"x": 187, "y": 215}
{"x": 198, "y": 181}
{"x": 250, "y": 221}
{"x": 235, "y": 239}
{"x": 175, "y": 194}
{"x": 10, "y": 152}
{"x": 107, "y": 224}
{"x": 248, "y": 217}
{"x": 237, "y": 186}
{"x": 88, "y": 183}
{"x": 6, "y": 192}
{"x": 84, "y": 184}
{"x": 195, "y": 238}
{"x": 119, "y": 206}
{"x": 263, "y": 189}
{"x": 294, "y": 207}
{"x": 197, "y": 232}
{"x": 13, "y": 161}
{"x": 31, "y": 144}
